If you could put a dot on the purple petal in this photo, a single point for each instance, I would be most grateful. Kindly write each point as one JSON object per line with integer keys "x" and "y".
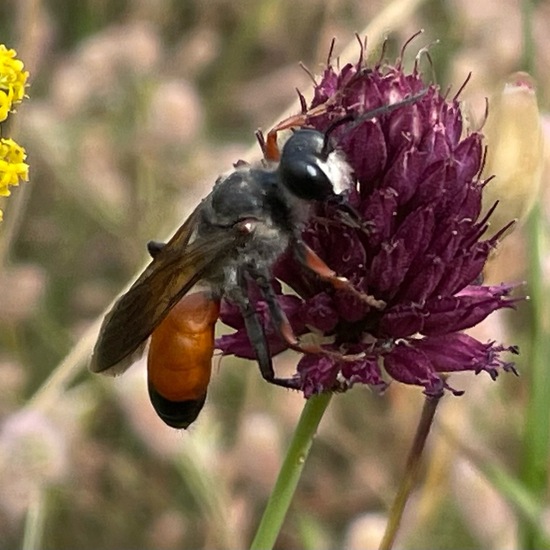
{"x": 365, "y": 149}
{"x": 319, "y": 312}
{"x": 466, "y": 309}
{"x": 318, "y": 372}
{"x": 405, "y": 174}
{"x": 409, "y": 365}
{"x": 401, "y": 321}
{"x": 364, "y": 371}
{"x": 460, "y": 352}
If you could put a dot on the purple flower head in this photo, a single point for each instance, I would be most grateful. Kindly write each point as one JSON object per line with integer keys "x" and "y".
{"x": 418, "y": 250}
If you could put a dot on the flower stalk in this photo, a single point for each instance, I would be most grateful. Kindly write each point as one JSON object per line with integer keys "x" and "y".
{"x": 291, "y": 470}
{"x": 412, "y": 470}
{"x": 536, "y": 430}
{"x": 34, "y": 524}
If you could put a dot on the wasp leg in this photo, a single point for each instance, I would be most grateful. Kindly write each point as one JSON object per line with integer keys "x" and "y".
{"x": 312, "y": 261}
{"x": 281, "y": 322}
{"x": 154, "y": 247}
{"x": 269, "y": 145}
{"x": 258, "y": 340}
{"x": 349, "y": 215}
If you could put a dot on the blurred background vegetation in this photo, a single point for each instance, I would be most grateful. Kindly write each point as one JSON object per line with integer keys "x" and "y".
{"x": 135, "y": 107}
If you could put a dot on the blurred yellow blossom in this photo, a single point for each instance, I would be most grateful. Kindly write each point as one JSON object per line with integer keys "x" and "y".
{"x": 12, "y": 165}
{"x": 12, "y": 81}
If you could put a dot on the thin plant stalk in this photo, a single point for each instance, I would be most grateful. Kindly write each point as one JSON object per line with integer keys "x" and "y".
{"x": 291, "y": 470}
{"x": 536, "y": 435}
{"x": 412, "y": 469}
{"x": 34, "y": 523}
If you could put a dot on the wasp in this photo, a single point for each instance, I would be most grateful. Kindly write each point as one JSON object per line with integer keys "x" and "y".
{"x": 253, "y": 215}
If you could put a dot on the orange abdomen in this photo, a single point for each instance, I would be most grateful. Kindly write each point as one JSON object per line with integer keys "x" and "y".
{"x": 180, "y": 359}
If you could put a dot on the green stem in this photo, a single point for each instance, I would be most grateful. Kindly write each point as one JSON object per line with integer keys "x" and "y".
{"x": 536, "y": 436}
{"x": 411, "y": 473}
{"x": 528, "y": 49}
{"x": 290, "y": 473}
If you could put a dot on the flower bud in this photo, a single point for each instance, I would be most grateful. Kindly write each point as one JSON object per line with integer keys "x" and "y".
{"x": 515, "y": 152}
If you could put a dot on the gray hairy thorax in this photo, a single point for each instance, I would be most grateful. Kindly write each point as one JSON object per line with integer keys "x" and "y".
{"x": 252, "y": 200}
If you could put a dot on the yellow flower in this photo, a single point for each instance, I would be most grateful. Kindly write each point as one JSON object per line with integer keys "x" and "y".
{"x": 12, "y": 165}
{"x": 13, "y": 80}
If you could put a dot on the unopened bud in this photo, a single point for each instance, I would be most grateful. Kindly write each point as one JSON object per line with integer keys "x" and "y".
{"x": 515, "y": 152}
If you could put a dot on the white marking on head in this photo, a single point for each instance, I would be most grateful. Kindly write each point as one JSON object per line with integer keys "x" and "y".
{"x": 338, "y": 172}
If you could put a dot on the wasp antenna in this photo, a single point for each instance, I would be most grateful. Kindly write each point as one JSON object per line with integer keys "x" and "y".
{"x": 389, "y": 108}
{"x": 357, "y": 120}
{"x": 331, "y": 128}
{"x": 461, "y": 89}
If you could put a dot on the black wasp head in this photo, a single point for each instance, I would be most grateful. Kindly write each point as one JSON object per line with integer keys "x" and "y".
{"x": 310, "y": 169}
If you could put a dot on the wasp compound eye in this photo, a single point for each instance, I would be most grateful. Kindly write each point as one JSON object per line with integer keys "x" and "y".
{"x": 304, "y": 178}
{"x": 310, "y": 169}
{"x": 302, "y": 167}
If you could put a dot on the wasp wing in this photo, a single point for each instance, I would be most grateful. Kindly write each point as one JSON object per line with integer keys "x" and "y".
{"x": 176, "y": 268}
